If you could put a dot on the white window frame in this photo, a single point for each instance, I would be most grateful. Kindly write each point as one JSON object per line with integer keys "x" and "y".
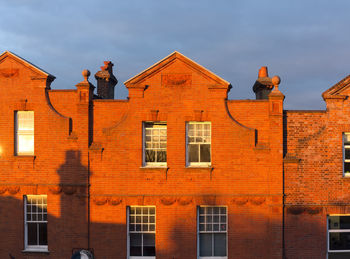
{"x": 197, "y": 164}
{"x": 18, "y": 133}
{"x": 335, "y": 231}
{"x": 34, "y": 248}
{"x": 345, "y": 134}
{"x": 213, "y": 232}
{"x": 128, "y": 231}
{"x": 153, "y": 164}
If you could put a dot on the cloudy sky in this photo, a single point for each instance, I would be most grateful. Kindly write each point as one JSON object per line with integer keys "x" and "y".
{"x": 306, "y": 43}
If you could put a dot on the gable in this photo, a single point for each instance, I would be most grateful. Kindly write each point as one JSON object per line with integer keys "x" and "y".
{"x": 339, "y": 90}
{"x": 11, "y": 64}
{"x": 176, "y": 76}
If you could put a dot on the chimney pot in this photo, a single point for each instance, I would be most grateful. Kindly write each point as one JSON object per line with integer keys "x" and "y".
{"x": 263, "y": 72}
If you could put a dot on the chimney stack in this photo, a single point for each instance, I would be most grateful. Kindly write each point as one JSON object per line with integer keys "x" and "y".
{"x": 106, "y": 81}
{"x": 263, "y": 85}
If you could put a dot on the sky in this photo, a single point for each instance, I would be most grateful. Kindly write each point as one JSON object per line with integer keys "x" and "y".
{"x": 305, "y": 42}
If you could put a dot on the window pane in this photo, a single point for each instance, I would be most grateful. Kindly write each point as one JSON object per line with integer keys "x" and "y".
{"x": 338, "y": 255}
{"x": 161, "y": 156}
{"x": 25, "y": 144}
{"x": 346, "y": 139}
{"x": 347, "y": 153}
{"x": 149, "y": 240}
{"x": 150, "y": 156}
{"x": 339, "y": 241}
{"x": 42, "y": 234}
{"x": 25, "y": 120}
{"x": 219, "y": 244}
{"x": 205, "y": 245}
{"x": 193, "y": 153}
{"x": 32, "y": 234}
{"x": 135, "y": 244}
{"x": 339, "y": 222}
{"x": 205, "y": 152}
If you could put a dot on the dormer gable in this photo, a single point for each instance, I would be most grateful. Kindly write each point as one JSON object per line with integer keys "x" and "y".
{"x": 11, "y": 64}
{"x": 176, "y": 79}
{"x": 340, "y": 90}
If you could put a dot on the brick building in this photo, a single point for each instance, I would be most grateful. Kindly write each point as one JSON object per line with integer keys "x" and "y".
{"x": 175, "y": 171}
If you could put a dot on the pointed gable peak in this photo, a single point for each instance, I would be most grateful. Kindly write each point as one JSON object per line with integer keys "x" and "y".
{"x": 26, "y": 63}
{"x": 169, "y": 59}
{"x": 338, "y": 90}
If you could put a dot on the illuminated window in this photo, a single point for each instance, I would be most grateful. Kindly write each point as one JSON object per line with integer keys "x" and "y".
{"x": 35, "y": 222}
{"x": 155, "y": 144}
{"x": 346, "y": 153}
{"x": 24, "y": 135}
{"x": 212, "y": 231}
{"x": 198, "y": 144}
{"x": 142, "y": 231}
{"x": 338, "y": 236}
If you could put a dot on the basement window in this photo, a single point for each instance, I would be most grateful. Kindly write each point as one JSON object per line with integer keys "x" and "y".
{"x": 141, "y": 232}
{"x": 154, "y": 144}
{"x": 346, "y": 154}
{"x": 35, "y": 223}
{"x": 212, "y": 232}
{"x": 338, "y": 236}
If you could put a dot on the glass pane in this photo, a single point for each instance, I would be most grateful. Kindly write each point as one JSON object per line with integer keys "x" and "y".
{"x": 25, "y": 144}
{"x": 346, "y": 139}
{"x": 132, "y": 210}
{"x": 138, "y": 227}
{"x": 149, "y": 240}
{"x": 152, "y": 227}
{"x": 201, "y": 219}
{"x": 209, "y": 219}
{"x": 44, "y": 216}
{"x": 32, "y": 234}
{"x": 152, "y": 210}
{"x": 205, "y": 152}
{"x": 219, "y": 244}
{"x": 216, "y": 210}
{"x": 223, "y": 227}
{"x": 161, "y": 156}
{"x": 132, "y": 219}
{"x": 135, "y": 244}
{"x": 209, "y": 227}
{"x": 201, "y": 227}
{"x": 150, "y": 156}
{"x": 210, "y": 210}
{"x": 205, "y": 245}
{"x": 152, "y": 219}
{"x": 25, "y": 120}
{"x": 145, "y": 227}
{"x": 131, "y": 227}
{"x": 222, "y": 210}
{"x": 145, "y": 210}
{"x": 201, "y": 210}
{"x": 338, "y": 255}
{"x": 339, "y": 222}
{"x": 346, "y": 167}
{"x": 145, "y": 219}
{"x": 43, "y": 234}
{"x": 347, "y": 153}
{"x": 207, "y": 126}
{"x": 193, "y": 153}
{"x": 339, "y": 241}
{"x": 216, "y": 219}
{"x": 215, "y": 227}
{"x": 138, "y": 219}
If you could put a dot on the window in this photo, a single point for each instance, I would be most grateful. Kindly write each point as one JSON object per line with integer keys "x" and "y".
{"x": 338, "y": 236}
{"x": 155, "y": 144}
{"x": 346, "y": 153}
{"x": 198, "y": 143}
{"x": 212, "y": 231}
{"x": 142, "y": 231}
{"x": 35, "y": 219}
{"x": 24, "y": 135}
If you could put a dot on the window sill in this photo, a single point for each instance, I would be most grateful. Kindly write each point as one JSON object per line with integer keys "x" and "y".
{"x": 199, "y": 167}
{"x": 24, "y": 156}
{"x": 36, "y": 250}
{"x": 154, "y": 167}
{"x": 211, "y": 257}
